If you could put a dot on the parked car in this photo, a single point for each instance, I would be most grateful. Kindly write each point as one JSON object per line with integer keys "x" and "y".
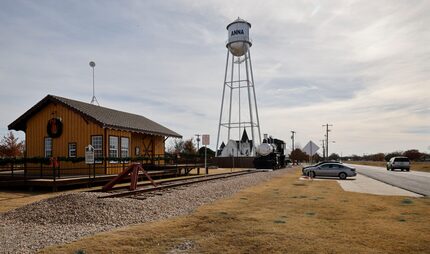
{"x": 330, "y": 169}
{"x": 399, "y": 162}
{"x": 318, "y": 164}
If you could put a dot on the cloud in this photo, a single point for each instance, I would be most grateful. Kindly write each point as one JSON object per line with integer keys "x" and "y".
{"x": 361, "y": 66}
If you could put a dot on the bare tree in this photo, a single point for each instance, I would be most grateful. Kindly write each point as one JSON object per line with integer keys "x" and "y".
{"x": 182, "y": 146}
{"x": 334, "y": 157}
{"x": 412, "y": 154}
{"x": 10, "y": 146}
{"x": 176, "y": 146}
{"x": 189, "y": 147}
{"x": 298, "y": 155}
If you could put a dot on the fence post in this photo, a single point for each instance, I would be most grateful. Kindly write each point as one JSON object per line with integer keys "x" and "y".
{"x": 54, "y": 175}
{"x": 11, "y": 166}
{"x": 41, "y": 169}
{"x": 58, "y": 168}
{"x": 25, "y": 171}
{"x": 176, "y": 163}
{"x": 53, "y": 171}
{"x": 198, "y": 166}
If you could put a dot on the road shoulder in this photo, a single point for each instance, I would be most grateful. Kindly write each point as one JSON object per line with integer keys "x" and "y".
{"x": 364, "y": 184}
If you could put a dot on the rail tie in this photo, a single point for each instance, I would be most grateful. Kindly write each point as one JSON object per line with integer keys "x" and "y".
{"x": 177, "y": 184}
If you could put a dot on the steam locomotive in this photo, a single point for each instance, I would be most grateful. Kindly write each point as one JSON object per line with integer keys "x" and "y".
{"x": 270, "y": 154}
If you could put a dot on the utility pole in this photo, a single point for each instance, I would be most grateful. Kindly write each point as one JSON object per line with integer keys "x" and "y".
{"x": 326, "y": 136}
{"x": 198, "y": 141}
{"x": 292, "y": 139}
{"x": 323, "y": 148}
{"x": 198, "y": 152}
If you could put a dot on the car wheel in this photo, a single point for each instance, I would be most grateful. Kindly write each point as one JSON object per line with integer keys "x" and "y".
{"x": 312, "y": 174}
{"x": 388, "y": 168}
{"x": 407, "y": 170}
{"x": 342, "y": 176}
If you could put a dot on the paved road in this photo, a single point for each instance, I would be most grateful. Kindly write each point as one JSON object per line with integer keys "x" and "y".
{"x": 415, "y": 181}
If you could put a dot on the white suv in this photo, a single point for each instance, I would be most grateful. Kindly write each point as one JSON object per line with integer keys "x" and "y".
{"x": 402, "y": 163}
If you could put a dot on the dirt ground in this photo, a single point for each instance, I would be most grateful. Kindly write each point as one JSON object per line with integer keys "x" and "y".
{"x": 284, "y": 215}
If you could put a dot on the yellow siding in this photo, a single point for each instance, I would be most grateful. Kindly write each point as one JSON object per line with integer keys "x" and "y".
{"x": 75, "y": 129}
{"x": 78, "y": 130}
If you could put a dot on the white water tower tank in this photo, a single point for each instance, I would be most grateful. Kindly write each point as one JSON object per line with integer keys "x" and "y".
{"x": 238, "y": 37}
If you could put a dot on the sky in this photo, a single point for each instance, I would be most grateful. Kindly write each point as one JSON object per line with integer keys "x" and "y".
{"x": 362, "y": 66}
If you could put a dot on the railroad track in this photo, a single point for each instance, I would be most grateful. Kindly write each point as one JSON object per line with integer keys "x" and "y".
{"x": 121, "y": 192}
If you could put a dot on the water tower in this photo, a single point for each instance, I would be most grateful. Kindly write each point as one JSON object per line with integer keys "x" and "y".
{"x": 240, "y": 113}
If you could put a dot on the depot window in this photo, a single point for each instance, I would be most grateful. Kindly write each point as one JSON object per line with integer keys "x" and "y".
{"x": 97, "y": 143}
{"x": 48, "y": 147}
{"x": 72, "y": 150}
{"x": 113, "y": 147}
{"x": 124, "y": 147}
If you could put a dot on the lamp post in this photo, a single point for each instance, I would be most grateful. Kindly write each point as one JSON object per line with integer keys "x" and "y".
{"x": 94, "y": 99}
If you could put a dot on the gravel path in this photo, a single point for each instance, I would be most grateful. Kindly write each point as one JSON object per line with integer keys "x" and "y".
{"x": 68, "y": 217}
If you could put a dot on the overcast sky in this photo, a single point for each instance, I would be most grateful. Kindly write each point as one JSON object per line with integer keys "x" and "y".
{"x": 363, "y": 66}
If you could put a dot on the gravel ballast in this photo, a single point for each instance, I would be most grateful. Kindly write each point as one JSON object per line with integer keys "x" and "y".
{"x": 68, "y": 217}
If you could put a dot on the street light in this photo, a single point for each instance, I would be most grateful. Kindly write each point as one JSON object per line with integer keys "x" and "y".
{"x": 94, "y": 99}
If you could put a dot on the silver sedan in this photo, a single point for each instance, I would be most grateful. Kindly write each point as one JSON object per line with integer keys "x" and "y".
{"x": 330, "y": 169}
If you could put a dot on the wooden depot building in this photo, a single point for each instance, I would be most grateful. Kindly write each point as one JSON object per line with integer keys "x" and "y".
{"x": 59, "y": 127}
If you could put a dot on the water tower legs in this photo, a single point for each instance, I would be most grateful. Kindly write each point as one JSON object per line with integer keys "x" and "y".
{"x": 235, "y": 83}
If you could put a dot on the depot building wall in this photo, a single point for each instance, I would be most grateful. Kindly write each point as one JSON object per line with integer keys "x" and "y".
{"x": 79, "y": 130}
{"x": 76, "y": 129}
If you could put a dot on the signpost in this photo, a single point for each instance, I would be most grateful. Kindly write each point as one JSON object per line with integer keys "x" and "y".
{"x": 206, "y": 142}
{"x": 311, "y": 149}
{"x": 89, "y": 159}
{"x": 89, "y": 154}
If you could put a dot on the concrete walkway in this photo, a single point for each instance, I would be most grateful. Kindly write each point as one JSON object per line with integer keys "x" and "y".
{"x": 415, "y": 181}
{"x": 365, "y": 184}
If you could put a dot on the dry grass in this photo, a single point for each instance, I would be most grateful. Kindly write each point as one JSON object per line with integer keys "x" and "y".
{"x": 280, "y": 216}
{"x": 417, "y": 166}
{"x": 13, "y": 199}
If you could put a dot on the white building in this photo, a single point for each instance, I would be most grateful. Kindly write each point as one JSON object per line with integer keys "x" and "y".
{"x": 237, "y": 148}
